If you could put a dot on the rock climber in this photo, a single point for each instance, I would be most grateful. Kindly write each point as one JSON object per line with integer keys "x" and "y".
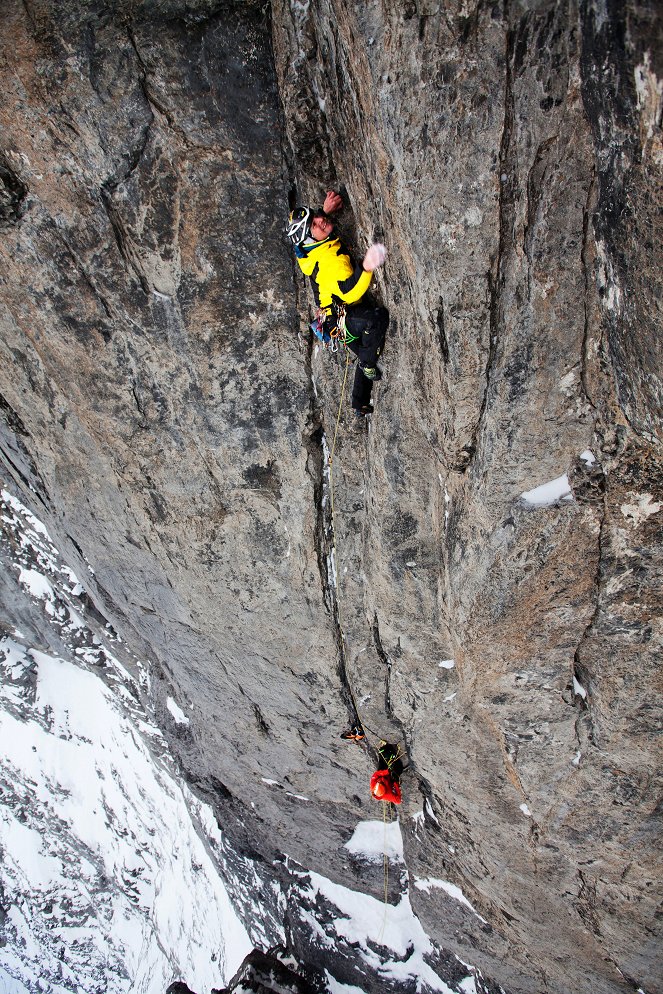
{"x": 337, "y": 281}
{"x": 355, "y": 733}
{"x": 385, "y": 782}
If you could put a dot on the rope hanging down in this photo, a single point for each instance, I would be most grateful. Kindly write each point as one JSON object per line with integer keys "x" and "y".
{"x": 330, "y": 463}
{"x": 399, "y": 753}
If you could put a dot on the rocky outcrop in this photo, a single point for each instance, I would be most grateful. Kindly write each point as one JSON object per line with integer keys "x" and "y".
{"x": 161, "y": 412}
{"x": 271, "y": 971}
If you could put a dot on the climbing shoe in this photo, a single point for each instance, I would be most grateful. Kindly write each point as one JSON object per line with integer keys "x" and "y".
{"x": 354, "y": 734}
{"x": 362, "y": 412}
{"x": 372, "y": 372}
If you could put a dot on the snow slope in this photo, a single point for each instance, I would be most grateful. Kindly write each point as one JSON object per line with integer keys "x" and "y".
{"x": 105, "y": 883}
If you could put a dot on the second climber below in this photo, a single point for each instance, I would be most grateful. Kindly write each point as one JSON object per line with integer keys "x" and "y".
{"x": 338, "y": 281}
{"x": 385, "y": 782}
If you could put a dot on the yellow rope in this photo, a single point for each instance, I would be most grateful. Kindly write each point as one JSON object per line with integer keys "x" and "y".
{"x": 385, "y": 867}
{"x": 333, "y": 522}
{"x": 385, "y": 857}
{"x": 333, "y": 448}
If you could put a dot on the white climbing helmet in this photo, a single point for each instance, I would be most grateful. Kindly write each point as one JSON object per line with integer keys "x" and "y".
{"x": 299, "y": 224}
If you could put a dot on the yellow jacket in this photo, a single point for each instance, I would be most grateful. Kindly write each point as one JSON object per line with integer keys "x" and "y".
{"x": 333, "y": 275}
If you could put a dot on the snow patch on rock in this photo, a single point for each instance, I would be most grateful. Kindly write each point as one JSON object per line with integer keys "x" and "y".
{"x": 548, "y": 493}
{"x": 374, "y": 839}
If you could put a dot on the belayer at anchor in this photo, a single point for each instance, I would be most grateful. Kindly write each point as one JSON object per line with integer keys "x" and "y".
{"x": 385, "y": 782}
{"x": 340, "y": 284}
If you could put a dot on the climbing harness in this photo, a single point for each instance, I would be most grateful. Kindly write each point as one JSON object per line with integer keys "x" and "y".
{"x": 337, "y": 333}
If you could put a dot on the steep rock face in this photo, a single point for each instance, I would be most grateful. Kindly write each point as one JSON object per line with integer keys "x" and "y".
{"x": 155, "y": 398}
{"x": 510, "y": 157}
{"x": 160, "y": 410}
{"x": 157, "y": 404}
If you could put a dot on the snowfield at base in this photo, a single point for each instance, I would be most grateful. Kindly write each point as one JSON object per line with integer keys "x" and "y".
{"x": 374, "y": 839}
{"x": 549, "y": 493}
{"x": 110, "y": 884}
{"x": 121, "y": 818}
{"x": 368, "y": 924}
{"x": 363, "y": 920}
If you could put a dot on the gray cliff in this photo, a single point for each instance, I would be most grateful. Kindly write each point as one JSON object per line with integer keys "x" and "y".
{"x": 164, "y": 412}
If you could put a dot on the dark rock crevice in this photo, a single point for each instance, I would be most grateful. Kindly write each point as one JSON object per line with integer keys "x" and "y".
{"x": 158, "y": 108}
{"x": 13, "y": 193}
{"x": 123, "y": 240}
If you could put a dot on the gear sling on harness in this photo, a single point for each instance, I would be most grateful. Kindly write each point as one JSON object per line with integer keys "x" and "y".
{"x": 329, "y": 326}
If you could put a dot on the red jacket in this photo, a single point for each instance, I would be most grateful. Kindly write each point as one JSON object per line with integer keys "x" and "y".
{"x": 392, "y": 790}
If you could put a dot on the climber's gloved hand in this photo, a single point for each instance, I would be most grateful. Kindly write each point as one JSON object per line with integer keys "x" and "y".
{"x": 333, "y": 202}
{"x": 374, "y": 257}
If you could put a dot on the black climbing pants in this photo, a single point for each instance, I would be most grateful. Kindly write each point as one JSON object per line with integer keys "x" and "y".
{"x": 367, "y": 324}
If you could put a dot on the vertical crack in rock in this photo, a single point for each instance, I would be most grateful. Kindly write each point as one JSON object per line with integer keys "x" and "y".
{"x": 536, "y": 192}
{"x": 582, "y": 703}
{"x": 122, "y": 238}
{"x": 386, "y": 661}
{"x": 442, "y": 334}
{"x": 495, "y": 275}
{"x": 156, "y": 106}
{"x": 324, "y": 548}
{"x": 134, "y": 157}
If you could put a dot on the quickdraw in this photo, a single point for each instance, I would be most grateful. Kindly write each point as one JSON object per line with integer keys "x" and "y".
{"x": 337, "y": 334}
{"x": 333, "y": 337}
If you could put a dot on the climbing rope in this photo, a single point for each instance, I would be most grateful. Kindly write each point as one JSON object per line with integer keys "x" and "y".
{"x": 331, "y": 472}
{"x": 385, "y": 868}
{"x": 330, "y": 463}
{"x": 399, "y": 753}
